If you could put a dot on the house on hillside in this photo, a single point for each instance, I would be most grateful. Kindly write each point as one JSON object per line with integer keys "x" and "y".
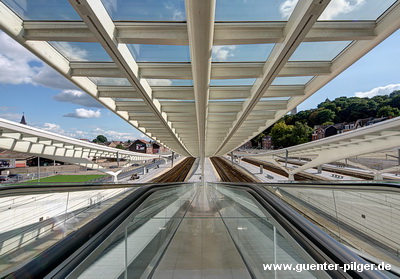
{"x": 141, "y": 146}
{"x": 376, "y": 120}
{"x": 266, "y": 142}
{"x": 114, "y": 143}
{"x": 327, "y": 131}
{"x": 318, "y": 133}
{"x": 362, "y": 122}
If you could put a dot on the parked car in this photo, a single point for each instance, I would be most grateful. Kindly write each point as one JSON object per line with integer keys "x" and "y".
{"x": 135, "y": 176}
{"x": 135, "y": 165}
{"x": 3, "y": 178}
{"x": 15, "y": 177}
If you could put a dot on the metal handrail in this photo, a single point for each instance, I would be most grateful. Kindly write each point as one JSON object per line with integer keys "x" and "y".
{"x": 101, "y": 226}
{"x": 318, "y": 244}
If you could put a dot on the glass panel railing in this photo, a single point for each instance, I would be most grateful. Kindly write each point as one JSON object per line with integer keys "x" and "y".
{"x": 259, "y": 238}
{"x": 137, "y": 246}
{"x": 360, "y": 216}
{"x": 33, "y": 222}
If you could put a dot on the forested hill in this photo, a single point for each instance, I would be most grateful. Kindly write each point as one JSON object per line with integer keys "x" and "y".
{"x": 345, "y": 109}
{"x": 297, "y": 129}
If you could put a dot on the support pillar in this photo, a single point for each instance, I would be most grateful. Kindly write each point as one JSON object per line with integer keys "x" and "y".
{"x": 203, "y": 161}
{"x": 261, "y": 169}
{"x": 172, "y": 159}
{"x": 291, "y": 177}
{"x": 232, "y": 158}
{"x": 286, "y": 157}
{"x": 38, "y": 169}
{"x": 398, "y": 156}
{"x": 319, "y": 169}
{"x": 115, "y": 178}
{"x": 378, "y": 176}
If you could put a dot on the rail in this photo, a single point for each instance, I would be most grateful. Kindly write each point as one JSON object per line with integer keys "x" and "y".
{"x": 177, "y": 174}
{"x": 229, "y": 174}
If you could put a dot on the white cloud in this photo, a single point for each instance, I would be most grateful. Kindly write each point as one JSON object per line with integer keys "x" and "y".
{"x": 4, "y": 108}
{"x": 84, "y": 113}
{"x": 82, "y": 134}
{"x": 177, "y": 14}
{"x": 159, "y": 82}
{"x": 19, "y": 66}
{"x": 48, "y": 77}
{"x": 222, "y": 53}
{"x": 55, "y": 128}
{"x": 287, "y": 8}
{"x": 338, "y": 7}
{"x": 71, "y": 52}
{"x": 11, "y": 116}
{"x": 77, "y": 97}
{"x": 333, "y": 10}
{"x": 381, "y": 90}
{"x": 7, "y": 113}
{"x": 113, "y": 135}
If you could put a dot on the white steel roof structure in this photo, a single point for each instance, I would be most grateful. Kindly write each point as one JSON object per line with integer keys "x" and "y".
{"x": 26, "y": 139}
{"x": 197, "y": 105}
{"x": 369, "y": 139}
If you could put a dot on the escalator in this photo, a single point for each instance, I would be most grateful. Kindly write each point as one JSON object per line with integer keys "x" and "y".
{"x": 198, "y": 231}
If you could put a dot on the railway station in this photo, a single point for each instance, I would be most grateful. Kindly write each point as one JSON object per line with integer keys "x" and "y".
{"x": 201, "y": 78}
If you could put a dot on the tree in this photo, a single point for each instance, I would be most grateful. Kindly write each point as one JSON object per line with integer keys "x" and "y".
{"x": 388, "y": 111}
{"x": 120, "y": 146}
{"x": 288, "y": 135}
{"x": 395, "y": 100}
{"x": 100, "y": 139}
{"x": 302, "y": 133}
{"x": 257, "y": 140}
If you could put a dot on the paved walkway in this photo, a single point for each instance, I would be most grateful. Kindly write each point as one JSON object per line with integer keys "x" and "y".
{"x": 209, "y": 173}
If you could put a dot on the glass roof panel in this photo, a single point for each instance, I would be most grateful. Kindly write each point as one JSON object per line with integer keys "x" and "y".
{"x": 160, "y": 53}
{"x": 228, "y": 82}
{"x": 240, "y": 53}
{"x": 76, "y": 51}
{"x": 318, "y": 51}
{"x": 355, "y": 9}
{"x": 291, "y": 80}
{"x": 110, "y": 81}
{"x": 43, "y": 9}
{"x": 146, "y": 10}
{"x": 170, "y": 82}
{"x": 253, "y": 10}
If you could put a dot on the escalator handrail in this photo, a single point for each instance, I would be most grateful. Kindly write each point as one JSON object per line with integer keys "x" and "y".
{"x": 108, "y": 221}
{"x": 307, "y": 234}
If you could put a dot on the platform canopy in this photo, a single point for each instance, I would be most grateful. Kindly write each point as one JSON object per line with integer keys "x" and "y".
{"x": 200, "y": 76}
{"x": 22, "y": 138}
{"x": 365, "y": 140}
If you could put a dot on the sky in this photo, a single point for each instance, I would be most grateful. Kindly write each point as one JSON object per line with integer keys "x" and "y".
{"x": 50, "y": 102}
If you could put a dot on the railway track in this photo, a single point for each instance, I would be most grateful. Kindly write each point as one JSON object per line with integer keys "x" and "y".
{"x": 227, "y": 173}
{"x": 177, "y": 173}
{"x": 298, "y": 176}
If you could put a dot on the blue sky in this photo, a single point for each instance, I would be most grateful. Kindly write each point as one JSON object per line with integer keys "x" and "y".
{"x": 51, "y": 102}
{"x": 377, "y": 73}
